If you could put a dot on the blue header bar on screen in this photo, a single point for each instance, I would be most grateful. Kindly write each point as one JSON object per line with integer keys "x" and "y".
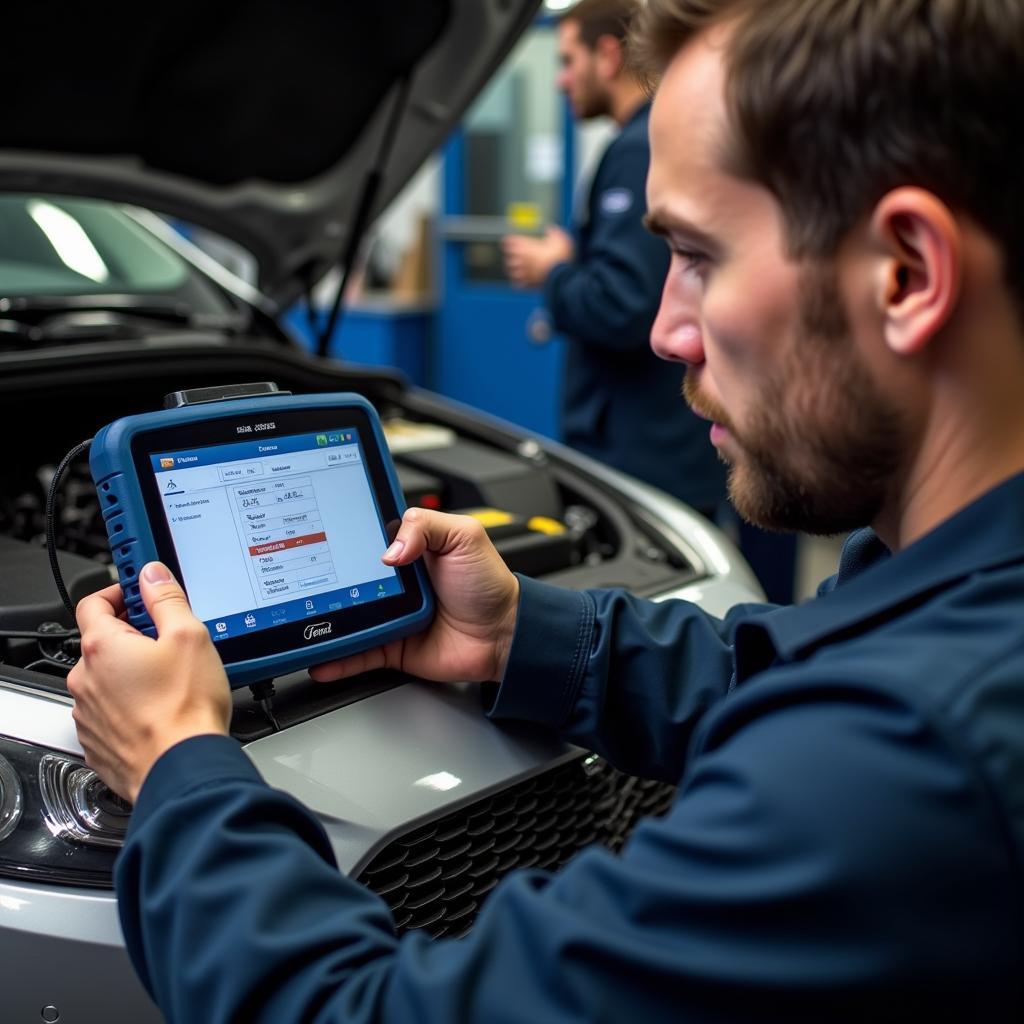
{"x": 259, "y": 449}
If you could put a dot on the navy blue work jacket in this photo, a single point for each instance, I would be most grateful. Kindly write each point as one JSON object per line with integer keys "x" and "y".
{"x": 621, "y": 403}
{"x": 847, "y": 844}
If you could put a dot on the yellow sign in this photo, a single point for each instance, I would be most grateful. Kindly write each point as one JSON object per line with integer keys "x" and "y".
{"x": 524, "y": 216}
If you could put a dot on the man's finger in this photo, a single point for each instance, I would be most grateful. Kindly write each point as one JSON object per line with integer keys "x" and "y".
{"x": 423, "y": 529}
{"x": 164, "y": 599}
{"x": 354, "y": 665}
{"x": 91, "y": 611}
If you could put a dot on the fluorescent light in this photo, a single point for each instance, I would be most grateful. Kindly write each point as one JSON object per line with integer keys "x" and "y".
{"x": 558, "y": 5}
{"x": 69, "y": 240}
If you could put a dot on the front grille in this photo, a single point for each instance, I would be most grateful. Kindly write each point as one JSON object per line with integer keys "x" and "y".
{"x": 438, "y": 877}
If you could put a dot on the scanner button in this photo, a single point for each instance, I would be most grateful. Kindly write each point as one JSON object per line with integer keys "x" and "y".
{"x": 116, "y": 528}
{"x": 112, "y": 494}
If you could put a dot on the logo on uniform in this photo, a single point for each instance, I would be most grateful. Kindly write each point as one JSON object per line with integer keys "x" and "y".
{"x": 616, "y": 200}
{"x": 317, "y": 629}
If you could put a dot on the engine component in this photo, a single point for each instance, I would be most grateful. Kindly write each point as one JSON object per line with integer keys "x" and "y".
{"x": 418, "y": 488}
{"x": 475, "y": 475}
{"x": 78, "y": 525}
{"x": 532, "y": 545}
{"x": 28, "y": 595}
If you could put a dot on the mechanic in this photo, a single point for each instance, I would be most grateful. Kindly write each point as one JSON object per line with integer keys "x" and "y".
{"x": 620, "y": 403}
{"x": 847, "y": 292}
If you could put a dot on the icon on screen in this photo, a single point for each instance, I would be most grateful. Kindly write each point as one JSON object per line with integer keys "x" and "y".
{"x": 309, "y": 606}
{"x": 334, "y": 438}
{"x": 221, "y": 627}
{"x": 354, "y": 592}
{"x": 167, "y": 463}
{"x": 321, "y": 440}
{"x": 171, "y": 486}
{"x": 250, "y": 620}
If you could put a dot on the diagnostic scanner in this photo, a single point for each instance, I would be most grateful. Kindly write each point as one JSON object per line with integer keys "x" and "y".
{"x": 273, "y": 510}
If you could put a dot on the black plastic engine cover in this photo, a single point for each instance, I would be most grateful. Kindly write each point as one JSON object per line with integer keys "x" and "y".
{"x": 28, "y": 595}
{"x": 475, "y": 475}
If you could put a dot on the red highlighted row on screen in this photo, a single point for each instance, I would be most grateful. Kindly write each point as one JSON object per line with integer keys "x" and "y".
{"x": 284, "y": 545}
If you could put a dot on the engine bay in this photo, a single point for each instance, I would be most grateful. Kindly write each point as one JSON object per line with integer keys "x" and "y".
{"x": 548, "y": 519}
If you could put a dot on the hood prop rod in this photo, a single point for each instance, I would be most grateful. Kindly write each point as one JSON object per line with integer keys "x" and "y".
{"x": 367, "y": 199}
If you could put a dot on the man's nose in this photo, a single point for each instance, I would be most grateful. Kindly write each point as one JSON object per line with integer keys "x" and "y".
{"x": 676, "y": 334}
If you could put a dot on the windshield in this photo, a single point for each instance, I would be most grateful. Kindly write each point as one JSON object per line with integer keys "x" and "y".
{"x": 57, "y": 246}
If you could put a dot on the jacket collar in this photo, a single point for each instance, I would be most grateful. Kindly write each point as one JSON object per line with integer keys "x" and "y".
{"x": 639, "y": 116}
{"x": 872, "y": 584}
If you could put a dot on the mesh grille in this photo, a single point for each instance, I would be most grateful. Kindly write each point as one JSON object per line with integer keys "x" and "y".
{"x": 438, "y": 877}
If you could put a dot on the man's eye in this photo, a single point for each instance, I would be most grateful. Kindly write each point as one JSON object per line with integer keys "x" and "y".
{"x": 691, "y": 259}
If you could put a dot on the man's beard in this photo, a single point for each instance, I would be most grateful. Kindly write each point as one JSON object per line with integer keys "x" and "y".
{"x": 592, "y": 100}
{"x": 822, "y": 443}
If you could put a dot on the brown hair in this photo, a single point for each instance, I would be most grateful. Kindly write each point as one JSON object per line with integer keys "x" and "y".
{"x": 833, "y": 103}
{"x": 598, "y": 18}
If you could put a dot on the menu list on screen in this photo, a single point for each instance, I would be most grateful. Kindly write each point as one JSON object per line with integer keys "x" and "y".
{"x": 272, "y": 531}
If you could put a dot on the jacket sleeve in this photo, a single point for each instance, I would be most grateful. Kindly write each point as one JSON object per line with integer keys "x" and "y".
{"x": 616, "y": 674}
{"x": 794, "y": 879}
{"x": 609, "y": 298}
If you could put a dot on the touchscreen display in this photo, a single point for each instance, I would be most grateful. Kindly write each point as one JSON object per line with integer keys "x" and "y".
{"x": 273, "y": 531}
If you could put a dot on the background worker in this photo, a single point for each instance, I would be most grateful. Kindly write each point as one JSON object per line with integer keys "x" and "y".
{"x": 620, "y": 402}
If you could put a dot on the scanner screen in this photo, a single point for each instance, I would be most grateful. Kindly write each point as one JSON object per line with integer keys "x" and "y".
{"x": 273, "y": 531}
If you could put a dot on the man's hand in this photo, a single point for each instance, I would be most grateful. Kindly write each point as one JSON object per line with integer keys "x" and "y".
{"x": 477, "y": 604}
{"x": 136, "y": 697}
{"x": 528, "y": 261}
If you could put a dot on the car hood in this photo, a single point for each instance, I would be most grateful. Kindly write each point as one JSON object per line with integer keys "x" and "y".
{"x": 260, "y": 120}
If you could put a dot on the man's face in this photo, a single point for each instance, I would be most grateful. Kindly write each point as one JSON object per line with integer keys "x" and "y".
{"x": 810, "y": 435}
{"x": 578, "y": 75}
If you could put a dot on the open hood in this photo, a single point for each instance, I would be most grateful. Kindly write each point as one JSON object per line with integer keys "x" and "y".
{"x": 260, "y": 120}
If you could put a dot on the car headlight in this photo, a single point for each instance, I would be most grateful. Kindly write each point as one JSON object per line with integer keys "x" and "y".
{"x": 79, "y": 806}
{"x": 10, "y": 799}
{"x": 58, "y": 821}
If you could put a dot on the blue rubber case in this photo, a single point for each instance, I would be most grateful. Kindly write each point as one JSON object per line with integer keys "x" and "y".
{"x": 132, "y": 544}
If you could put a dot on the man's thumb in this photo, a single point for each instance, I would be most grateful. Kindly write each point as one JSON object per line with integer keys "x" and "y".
{"x": 164, "y": 599}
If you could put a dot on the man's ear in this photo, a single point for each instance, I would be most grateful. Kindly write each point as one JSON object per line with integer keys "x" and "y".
{"x": 920, "y": 275}
{"x": 610, "y": 57}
